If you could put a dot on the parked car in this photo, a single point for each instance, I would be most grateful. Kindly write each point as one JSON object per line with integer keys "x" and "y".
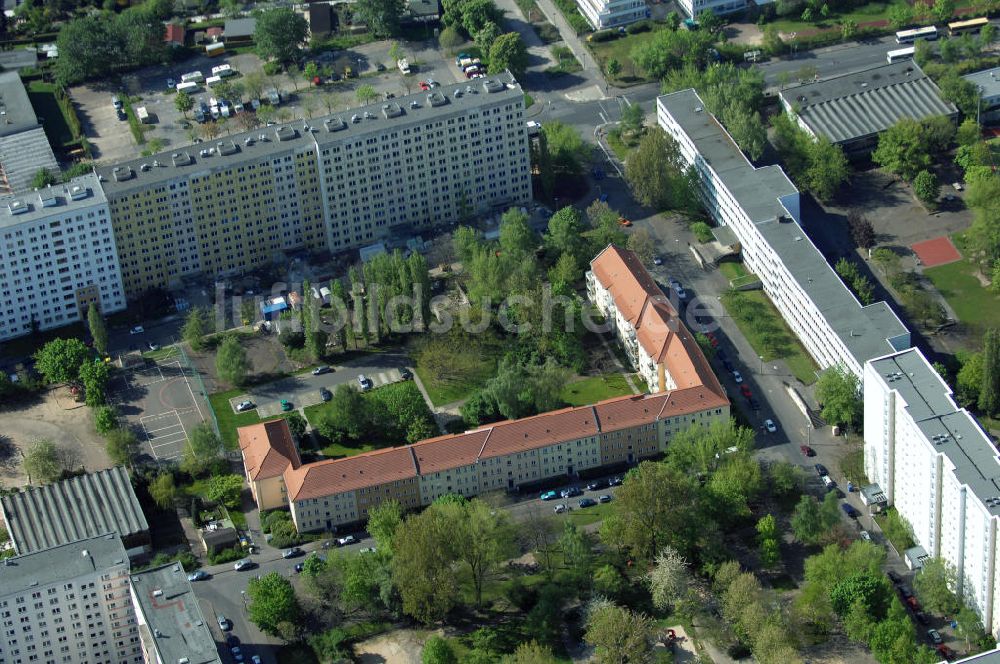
{"x": 895, "y": 578}
{"x": 293, "y": 552}
{"x": 549, "y": 495}
{"x": 152, "y": 346}
{"x": 657, "y": 260}
{"x": 560, "y": 508}
{"x": 622, "y": 221}
{"x": 821, "y": 469}
{"x": 198, "y": 575}
{"x": 347, "y": 539}
{"x": 615, "y": 481}
{"x": 754, "y": 404}
{"x": 299, "y": 567}
{"x": 405, "y": 374}
{"x": 587, "y": 502}
{"x": 286, "y": 405}
{"x": 921, "y": 617}
{"x": 745, "y": 390}
{"x": 676, "y": 285}
{"x": 224, "y": 623}
{"x": 913, "y": 603}
{"x": 905, "y": 591}
{"x": 423, "y": 86}
{"x": 244, "y": 406}
{"x": 325, "y": 394}
{"x": 136, "y": 330}
{"x": 232, "y": 640}
{"x": 770, "y": 425}
{"x": 379, "y": 66}
{"x": 958, "y": 186}
{"x": 935, "y": 637}
{"x": 604, "y": 498}
{"x": 850, "y": 511}
{"x": 244, "y": 564}
{"x": 365, "y": 382}
{"x": 594, "y": 486}
{"x": 571, "y": 492}
{"x": 367, "y": 549}
{"x": 319, "y": 371}
{"x": 237, "y": 655}
{"x": 726, "y": 364}
{"x": 737, "y": 376}
{"x": 865, "y": 535}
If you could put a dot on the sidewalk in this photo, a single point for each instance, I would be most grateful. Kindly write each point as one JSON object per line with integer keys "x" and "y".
{"x": 568, "y": 34}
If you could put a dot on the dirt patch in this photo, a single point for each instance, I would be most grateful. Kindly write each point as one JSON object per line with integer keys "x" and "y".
{"x": 744, "y": 33}
{"x": 56, "y": 417}
{"x": 401, "y": 646}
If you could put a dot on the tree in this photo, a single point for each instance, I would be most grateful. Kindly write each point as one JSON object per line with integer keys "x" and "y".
{"x": 564, "y": 235}
{"x": 482, "y": 539}
{"x": 861, "y": 229}
{"x": 272, "y": 602}
{"x": 105, "y": 419}
{"x": 767, "y": 535}
{"x": 121, "y": 445}
{"x": 808, "y": 522}
{"x": 437, "y": 650}
{"x": 366, "y": 94}
{"x": 848, "y": 28}
{"x": 486, "y": 35}
{"x": 383, "y": 521}
{"x": 450, "y": 38}
{"x": 989, "y": 393}
{"x": 421, "y": 566}
{"x": 903, "y": 149}
{"x": 231, "y": 361}
{"x": 95, "y": 377}
{"x": 657, "y": 175}
{"x": 346, "y": 415}
{"x": 900, "y": 15}
{"x": 969, "y": 627}
{"x": 839, "y": 392}
{"x": 43, "y": 178}
{"x": 296, "y": 424}
{"x": 926, "y": 187}
{"x": 162, "y": 490}
{"x": 669, "y": 578}
{"x": 564, "y": 148}
{"x": 183, "y": 103}
{"x": 935, "y": 584}
{"x": 98, "y": 331}
{"x": 195, "y": 327}
{"x": 59, "y": 360}
{"x": 278, "y": 34}
{"x": 225, "y": 489}
{"x": 641, "y": 242}
{"x": 530, "y": 653}
{"x": 613, "y": 68}
{"x": 42, "y": 462}
{"x": 204, "y": 448}
{"x": 828, "y": 168}
{"x": 943, "y": 10}
{"x": 619, "y": 636}
{"x": 508, "y": 52}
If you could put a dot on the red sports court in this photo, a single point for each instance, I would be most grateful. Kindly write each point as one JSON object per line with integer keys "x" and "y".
{"x": 936, "y": 252}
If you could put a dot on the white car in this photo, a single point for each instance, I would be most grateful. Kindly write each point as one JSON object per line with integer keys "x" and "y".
{"x": 770, "y": 426}
{"x": 136, "y": 330}
{"x": 865, "y": 536}
{"x": 560, "y": 508}
{"x": 657, "y": 260}
{"x": 365, "y": 382}
{"x": 244, "y": 564}
{"x": 347, "y": 539}
{"x": 244, "y": 406}
{"x": 153, "y": 346}
{"x": 737, "y": 376}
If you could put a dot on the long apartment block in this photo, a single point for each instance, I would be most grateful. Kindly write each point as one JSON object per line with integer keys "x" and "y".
{"x": 59, "y": 255}
{"x": 70, "y": 603}
{"x": 333, "y": 183}
{"x": 936, "y": 465}
{"x": 325, "y": 495}
{"x": 761, "y": 207}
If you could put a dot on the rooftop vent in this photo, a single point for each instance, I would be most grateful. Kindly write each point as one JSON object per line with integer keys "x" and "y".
{"x": 285, "y": 133}
{"x": 369, "y": 115}
{"x": 458, "y": 94}
{"x": 184, "y": 660}
{"x": 227, "y": 147}
{"x": 76, "y": 192}
{"x": 471, "y": 90}
{"x": 157, "y": 592}
{"x": 436, "y": 99}
{"x": 47, "y": 199}
{"x": 798, "y": 238}
{"x": 334, "y": 124}
{"x": 181, "y": 158}
{"x": 391, "y": 110}
{"x": 157, "y": 633}
{"x": 203, "y": 152}
{"x": 156, "y": 163}
{"x": 493, "y": 85}
{"x": 84, "y": 553}
{"x": 864, "y": 84}
{"x": 17, "y": 207}
{"x": 122, "y": 173}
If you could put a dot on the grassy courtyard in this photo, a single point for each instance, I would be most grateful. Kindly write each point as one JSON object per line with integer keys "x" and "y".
{"x": 620, "y": 49}
{"x": 229, "y": 420}
{"x": 56, "y": 124}
{"x": 594, "y": 389}
{"x": 974, "y": 305}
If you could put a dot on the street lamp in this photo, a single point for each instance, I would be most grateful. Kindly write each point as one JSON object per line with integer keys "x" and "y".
{"x": 244, "y": 594}
{"x": 761, "y": 358}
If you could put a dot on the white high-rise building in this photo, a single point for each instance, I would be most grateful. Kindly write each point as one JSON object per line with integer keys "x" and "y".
{"x": 57, "y": 256}
{"x": 694, "y": 7}
{"x": 69, "y": 605}
{"x": 761, "y": 208}
{"x": 938, "y": 468}
{"x": 612, "y": 13}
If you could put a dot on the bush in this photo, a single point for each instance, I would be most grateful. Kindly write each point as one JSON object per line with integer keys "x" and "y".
{"x": 292, "y": 338}
{"x": 604, "y": 35}
{"x": 272, "y": 68}
{"x": 284, "y": 535}
{"x": 269, "y": 520}
{"x": 702, "y": 231}
{"x": 225, "y": 555}
{"x": 639, "y": 26}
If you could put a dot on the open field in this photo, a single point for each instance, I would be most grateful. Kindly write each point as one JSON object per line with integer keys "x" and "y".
{"x": 597, "y": 388}
{"x": 972, "y": 303}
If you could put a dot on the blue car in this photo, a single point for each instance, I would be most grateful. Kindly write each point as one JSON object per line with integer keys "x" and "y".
{"x": 549, "y": 495}
{"x": 850, "y": 511}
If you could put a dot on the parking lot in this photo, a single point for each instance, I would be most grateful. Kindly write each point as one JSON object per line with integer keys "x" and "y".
{"x": 161, "y": 402}
{"x": 112, "y": 139}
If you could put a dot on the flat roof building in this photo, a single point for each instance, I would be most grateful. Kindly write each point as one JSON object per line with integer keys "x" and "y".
{"x": 987, "y": 82}
{"x": 761, "y": 207}
{"x": 24, "y": 147}
{"x": 602, "y": 14}
{"x": 88, "y": 505}
{"x": 239, "y": 29}
{"x": 71, "y": 603}
{"x": 851, "y": 110}
{"x": 171, "y": 625}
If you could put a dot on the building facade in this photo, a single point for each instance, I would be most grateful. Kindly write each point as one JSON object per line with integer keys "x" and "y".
{"x": 59, "y": 256}
{"x": 602, "y": 14}
{"x": 761, "y": 207}
{"x": 939, "y": 469}
{"x": 332, "y": 183}
{"x": 694, "y": 7}
{"x": 987, "y": 82}
{"x": 268, "y": 450}
{"x": 69, "y": 604}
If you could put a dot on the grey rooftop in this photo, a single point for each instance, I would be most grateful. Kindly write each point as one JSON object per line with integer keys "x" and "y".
{"x": 861, "y": 104}
{"x": 16, "y": 113}
{"x": 239, "y": 27}
{"x": 61, "y": 563}
{"x": 988, "y": 81}
{"x": 173, "y": 616}
{"x": 84, "y": 506}
{"x": 24, "y": 154}
{"x": 302, "y": 135}
{"x": 950, "y": 429}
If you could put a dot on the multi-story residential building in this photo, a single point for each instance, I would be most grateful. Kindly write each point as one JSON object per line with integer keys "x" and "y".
{"x": 69, "y": 604}
{"x": 612, "y": 13}
{"x": 335, "y": 182}
{"x": 657, "y": 343}
{"x": 268, "y": 451}
{"x": 939, "y": 469}
{"x": 695, "y": 7}
{"x": 58, "y": 256}
{"x": 84, "y": 506}
{"x": 761, "y": 207}
{"x": 170, "y": 623}
{"x": 506, "y": 456}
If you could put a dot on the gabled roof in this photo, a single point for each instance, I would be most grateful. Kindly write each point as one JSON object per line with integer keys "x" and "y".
{"x": 621, "y": 273}
{"x": 446, "y": 452}
{"x": 81, "y": 507}
{"x": 540, "y": 431}
{"x": 174, "y": 34}
{"x": 325, "y": 478}
{"x": 268, "y": 449}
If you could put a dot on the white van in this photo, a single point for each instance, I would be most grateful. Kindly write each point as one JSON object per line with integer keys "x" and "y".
{"x": 188, "y": 87}
{"x": 223, "y": 71}
{"x": 828, "y": 483}
{"x": 194, "y": 76}
{"x": 212, "y": 81}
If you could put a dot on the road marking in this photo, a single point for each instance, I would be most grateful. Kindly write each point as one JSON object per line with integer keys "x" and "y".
{"x": 171, "y": 426}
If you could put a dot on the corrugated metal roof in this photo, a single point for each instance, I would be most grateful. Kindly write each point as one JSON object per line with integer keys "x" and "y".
{"x": 857, "y": 105}
{"x": 23, "y": 155}
{"x": 74, "y": 509}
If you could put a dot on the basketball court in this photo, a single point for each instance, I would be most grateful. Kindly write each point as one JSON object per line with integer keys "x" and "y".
{"x": 938, "y": 251}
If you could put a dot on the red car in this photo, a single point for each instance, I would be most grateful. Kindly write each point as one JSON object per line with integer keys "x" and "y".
{"x": 913, "y": 603}
{"x": 807, "y": 451}
{"x": 712, "y": 339}
{"x": 946, "y": 652}
{"x": 745, "y": 390}
{"x": 424, "y": 86}
{"x": 622, "y": 221}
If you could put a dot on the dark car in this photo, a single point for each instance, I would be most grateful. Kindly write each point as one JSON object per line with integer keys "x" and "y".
{"x": 754, "y": 404}
{"x": 921, "y": 617}
{"x": 379, "y": 66}
{"x": 294, "y": 552}
{"x": 405, "y": 374}
{"x": 807, "y": 451}
{"x": 325, "y": 394}
{"x": 615, "y": 481}
{"x": 905, "y": 592}
{"x": 895, "y": 578}
{"x": 588, "y": 502}
{"x": 821, "y": 469}
{"x": 232, "y": 641}
{"x": 728, "y": 365}
{"x": 935, "y": 637}
{"x": 571, "y": 492}
{"x": 299, "y": 567}
{"x": 594, "y": 486}
{"x": 850, "y": 511}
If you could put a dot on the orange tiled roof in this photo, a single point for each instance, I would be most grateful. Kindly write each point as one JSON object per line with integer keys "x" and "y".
{"x": 325, "y": 478}
{"x": 621, "y": 273}
{"x": 446, "y": 452}
{"x": 539, "y": 431}
{"x": 174, "y": 33}
{"x": 268, "y": 449}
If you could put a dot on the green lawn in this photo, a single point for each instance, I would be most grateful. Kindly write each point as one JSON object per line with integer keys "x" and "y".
{"x": 621, "y": 49}
{"x": 588, "y": 515}
{"x": 474, "y": 363}
{"x": 974, "y": 305}
{"x": 43, "y": 100}
{"x": 229, "y": 420}
{"x": 873, "y": 11}
{"x": 591, "y": 390}
{"x": 733, "y": 270}
{"x": 790, "y": 350}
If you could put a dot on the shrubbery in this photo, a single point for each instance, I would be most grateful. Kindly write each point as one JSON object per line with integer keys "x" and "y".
{"x": 225, "y": 555}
